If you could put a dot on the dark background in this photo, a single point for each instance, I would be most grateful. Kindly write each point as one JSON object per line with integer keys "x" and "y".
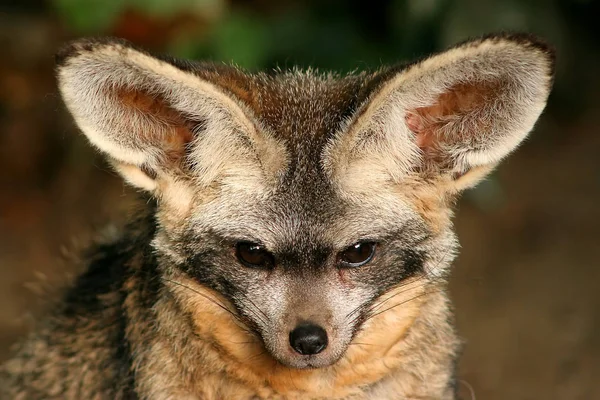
{"x": 526, "y": 286}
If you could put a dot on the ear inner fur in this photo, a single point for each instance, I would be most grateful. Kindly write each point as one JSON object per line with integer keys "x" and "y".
{"x": 453, "y": 120}
{"x": 178, "y": 130}
{"x": 469, "y": 106}
{"x": 305, "y": 164}
{"x": 144, "y": 111}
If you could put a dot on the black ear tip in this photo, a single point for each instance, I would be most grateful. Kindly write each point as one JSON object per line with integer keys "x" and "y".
{"x": 86, "y": 45}
{"x": 529, "y": 40}
{"x": 523, "y": 38}
{"x": 65, "y": 52}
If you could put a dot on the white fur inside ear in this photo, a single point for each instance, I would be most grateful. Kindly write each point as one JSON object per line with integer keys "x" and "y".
{"x": 143, "y": 111}
{"x": 517, "y": 80}
{"x": 135, "y": 176}
{"x": 467, "y": 107}
{"x": 110, "y": 147}
{"x": 469, "y": 179}
{"x": 116, "y": 93}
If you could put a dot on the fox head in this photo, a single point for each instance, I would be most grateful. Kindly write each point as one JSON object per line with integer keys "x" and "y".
{"x": 301, "y": 212}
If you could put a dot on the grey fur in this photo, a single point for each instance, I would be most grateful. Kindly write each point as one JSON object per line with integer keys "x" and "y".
{"x": 305, "y": 164}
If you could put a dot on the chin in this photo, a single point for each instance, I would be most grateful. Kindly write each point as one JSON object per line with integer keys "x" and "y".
{"x": 297, "y": 361}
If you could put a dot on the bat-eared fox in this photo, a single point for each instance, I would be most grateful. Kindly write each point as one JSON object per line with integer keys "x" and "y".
{"x": 294, "y": 235}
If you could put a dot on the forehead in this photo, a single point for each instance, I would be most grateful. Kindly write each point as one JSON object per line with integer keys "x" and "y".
{"x": 304, "y": 104}
{"x": 304, "y": 110}
{"x": 301, "y": 108}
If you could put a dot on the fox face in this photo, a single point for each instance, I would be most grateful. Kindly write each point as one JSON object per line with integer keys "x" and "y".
{"x": 305, "y": 216}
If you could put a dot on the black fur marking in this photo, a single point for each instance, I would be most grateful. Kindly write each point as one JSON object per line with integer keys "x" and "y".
{"x": 304, "y": 110}
{"x": 104, "y": 276}
{"x": 304, "y": 259}
{"x": 99, "y": 295}
{"x": 413, "y": 261}
{"x": 76, "y": 47}
{"x": 200, "y": 266}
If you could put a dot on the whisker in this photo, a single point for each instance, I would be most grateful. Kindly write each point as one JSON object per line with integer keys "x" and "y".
{"x": 236, "y": 317}
{"x": 247, "y": 342}
{"x": 253, "y": 313}
{"x": 469, "y": 388}
{"x": 362, "y": 306}
{"x": 252, "y": 357}
{"x": 361, "y": 344}
{"x": 216, "y": 302}
{"x": 402, "y": 303}
{"x": 256, "y": 311}
{"x": 409, "y": 285}
{"x": 374, "y": 307}
{"x": 266, "y": 317}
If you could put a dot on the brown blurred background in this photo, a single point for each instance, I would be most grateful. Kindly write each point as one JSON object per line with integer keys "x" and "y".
{"x": 527, "y": 284}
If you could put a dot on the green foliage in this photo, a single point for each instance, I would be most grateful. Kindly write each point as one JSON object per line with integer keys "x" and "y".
{"x": 89, "y": 16}
{"x": 329, "y": 34}
{"x": 333, "y": 34}
{"x": 99, "y": 16}
{"x": 166, "y": 8}
{"x": 343, "y": 35}
{"x": 242, "y": 38}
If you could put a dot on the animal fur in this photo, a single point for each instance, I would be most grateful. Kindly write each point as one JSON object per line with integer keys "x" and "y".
{"x": 305, "y": 164}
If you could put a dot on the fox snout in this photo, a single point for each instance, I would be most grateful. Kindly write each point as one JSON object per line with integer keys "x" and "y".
{"x": 308, "y": 324}
{"x": 308, "y": 339}
{"x": 308, "y": 345}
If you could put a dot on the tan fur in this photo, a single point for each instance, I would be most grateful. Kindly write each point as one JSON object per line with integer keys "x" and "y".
{"x": 305, "y": 166}
{"x": 376, "y": 355}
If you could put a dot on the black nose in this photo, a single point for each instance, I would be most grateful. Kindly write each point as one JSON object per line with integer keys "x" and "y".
{"x": 308, "y": 339}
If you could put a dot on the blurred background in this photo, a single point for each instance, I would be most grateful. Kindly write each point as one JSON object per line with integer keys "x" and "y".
{"x": 526, "y": 286}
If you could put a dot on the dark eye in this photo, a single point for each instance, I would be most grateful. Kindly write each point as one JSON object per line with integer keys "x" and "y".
{"x": 358, "y": 254}
{"x": 254, "y": 255}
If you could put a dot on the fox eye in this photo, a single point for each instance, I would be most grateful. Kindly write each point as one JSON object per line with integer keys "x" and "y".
{"x": 254, "y": 255}
{"x": 358, "y": 254}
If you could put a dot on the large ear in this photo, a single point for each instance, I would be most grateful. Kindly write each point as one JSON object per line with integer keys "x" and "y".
{"x": 153, "y": 116}
{"x": 454, "y": 115}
